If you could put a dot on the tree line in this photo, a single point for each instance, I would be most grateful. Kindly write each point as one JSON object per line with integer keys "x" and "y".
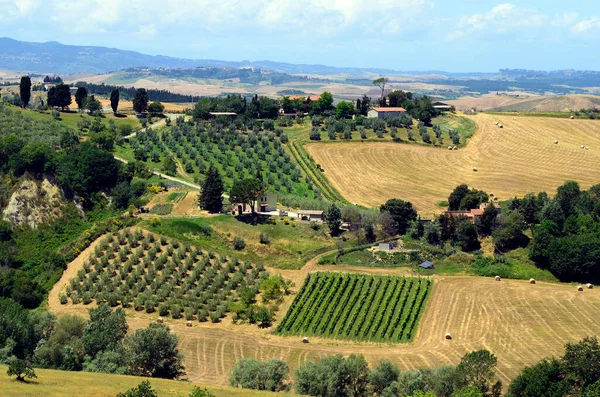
{"x": 339, "y": 376}
{"x": 129, "y": 93}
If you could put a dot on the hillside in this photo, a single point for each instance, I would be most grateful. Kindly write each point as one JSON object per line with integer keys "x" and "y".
{"x": 505, "y": 103}
{"x": 54, "y": 383}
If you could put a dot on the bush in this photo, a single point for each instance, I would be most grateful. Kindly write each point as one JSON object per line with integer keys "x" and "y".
{"x": 63, "y": 299}
{"x": 162, "y": 209}
{"x": 264, "y": 238}
{"x": 239, "y": 243}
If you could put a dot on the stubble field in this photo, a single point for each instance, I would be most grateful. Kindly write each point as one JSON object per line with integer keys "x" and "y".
{"x": 517, "y": 159}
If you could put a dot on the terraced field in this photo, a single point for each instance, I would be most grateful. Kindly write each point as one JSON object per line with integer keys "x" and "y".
{"x": 355, "y": 306}
{"x": 514, "y": 160}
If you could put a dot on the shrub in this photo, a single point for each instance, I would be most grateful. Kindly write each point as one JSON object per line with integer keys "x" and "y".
{"x": 163, "y": 309}
{"x": 63, "y": 299}
{"x": 264, "y": 238}
{"x": 239, "y": 243}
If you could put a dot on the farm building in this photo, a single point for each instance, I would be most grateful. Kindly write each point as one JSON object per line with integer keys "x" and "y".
{"x": 441, "y": 106}
{"x": 381, "y": 113}
{"x": 267, "y": 202}
{"x": 473, "y": 213}
{"x": 387, "y": 246}
{"x": 427, "y": 265}
{"x": 217, "y": 114}
{"x": 310, "y": 215}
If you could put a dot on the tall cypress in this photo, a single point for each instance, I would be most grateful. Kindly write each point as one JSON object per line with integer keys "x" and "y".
{"x": 211, "y": 197}
{"x": 114, "y": 100}
{"x": 25, "y": 90}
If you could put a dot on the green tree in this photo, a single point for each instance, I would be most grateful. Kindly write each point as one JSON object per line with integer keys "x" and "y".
{"x": 156, "y": 108}
{"x": 381, "y": 82}
{"x": 401, "y": 211}
{"x": 140, "y": 101}
{"x": 469, "y": 391}
{"x": 344, "y": 110}
{"x": 457, "y": 196}
{"x": 544, "y": 379}
{"x": 59, "y": 96}
{"x": 325, "y": 103}
{"x": 153, "y": 352}
{"x": 114, "y": 100}
{"x": 467, "y": 237}
{"x": 509, "y": 235}
{"x": 198, "y": 392}
{"x": 358, "y": 375}
{"x": 21, "y": 369}
{"x": 211, "y": 196}
{"x": 63, "y": 348}
{"x": 105, "y": 329}
{"x": 25, "y": 90}
{"x": 365, "y": 105}
{"x": 93, "y": 105}
{"x": 81, "y": 97}
{"x": 567, "y": 196}
{"x": 334, "y": 219}
{"x": 169, "y": 166}
{"x": 144, "y": 389}
{"x": 476, "y": 369}
{"x": 253, "y": 374}
{"x": 383, "y": 375}
{"x": 582, "y": 362}
{"x": 246, "y": 191}
{"x": 326, "y": 378}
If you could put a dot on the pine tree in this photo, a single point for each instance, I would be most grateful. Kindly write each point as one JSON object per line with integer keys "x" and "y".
{"x": 211, "y": 197}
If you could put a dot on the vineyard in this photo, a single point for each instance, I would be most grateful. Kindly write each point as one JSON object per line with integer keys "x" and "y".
{"x": 356, "y": 306}
{"x": 156, "y": 273}
{"x": 236, "y": 154}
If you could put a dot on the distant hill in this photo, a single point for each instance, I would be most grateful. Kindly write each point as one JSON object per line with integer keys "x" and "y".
{"x": 53, "y": 57}
{"x": 503, "y": 103}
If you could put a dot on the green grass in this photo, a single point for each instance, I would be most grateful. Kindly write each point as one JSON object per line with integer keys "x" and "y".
{"x": 290, "y": 246}
{"x": 357, "y": 306}
{"x": 175, "y": 197}
{"x": 54, "y": 383}
{"x": 71, "y": 119}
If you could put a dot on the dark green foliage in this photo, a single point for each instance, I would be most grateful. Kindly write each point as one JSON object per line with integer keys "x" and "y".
{"x": 401, "y": 211}
{"x": 333, "y": 376}
{"x": 334, "y": 219}
{"x": 144, "y": 389}
{"x": 153, "y": 352}
{"x": 140, "y": 102}
{"x": 544, "y": 379}
{"x": 156, "y": 108}
{"x": 476, "y": 369}
{"x": 114, "y": 100}
{"x": 246, "y": 191}
{"x": 21, "y": 369}
{"x": 383, "y": 375}
{"x": 81, "y": 97}
{"x": 59, "y": 96}
{"x": 378, "y": 308}
{"x": 104, "y": 330}
{"x": 462, "y": 198}
{"x": 253, "y": 374}
{"x": 169, "y": 166}
{"x": 211, "y": 197}
{"x": 25, "y": 90}
{"x": 467, "y": 237}
{"x": 488, "y": 221}
{"x": 198, "y": 392}
{"x": 509, "y": 234}
{"x": 238, "y": 243}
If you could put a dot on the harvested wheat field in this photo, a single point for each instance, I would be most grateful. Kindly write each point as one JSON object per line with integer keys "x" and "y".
{"x": 519, "y": 322}
{"x": 517, "y": 159}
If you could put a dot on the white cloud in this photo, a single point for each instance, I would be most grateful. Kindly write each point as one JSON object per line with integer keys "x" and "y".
{"x": 586, "y": 25}
{"x": 565, "y": 19}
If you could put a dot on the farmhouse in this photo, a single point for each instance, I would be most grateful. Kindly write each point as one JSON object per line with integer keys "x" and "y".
{"x": 47, "y": 86}
{"x": 267, "y": 202}
{"x": 310, "y": 215}
{"x": 472, "y": 214}
{"x": 381, "y": 113}
{"x": 387, "y": 246}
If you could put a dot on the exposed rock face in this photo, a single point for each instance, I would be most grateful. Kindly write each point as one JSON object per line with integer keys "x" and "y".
{"x": 33, "y": 203}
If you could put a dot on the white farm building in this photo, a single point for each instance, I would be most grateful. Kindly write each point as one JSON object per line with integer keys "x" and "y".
{"x": 381, "y": 113}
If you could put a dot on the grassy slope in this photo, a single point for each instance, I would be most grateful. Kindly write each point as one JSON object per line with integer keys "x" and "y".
{"x": 290, "y": 246}
{"x": 71, "y": 119}
{"x": 53, "y": 383}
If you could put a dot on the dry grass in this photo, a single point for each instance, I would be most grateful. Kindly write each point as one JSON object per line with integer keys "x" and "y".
{"x": 515, "y": 160}
{"x": 519, "y": 322}
{"x": 52, "y": 383}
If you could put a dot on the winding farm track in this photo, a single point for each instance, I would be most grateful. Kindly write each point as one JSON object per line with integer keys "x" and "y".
{"x": 519, "y": 322}
{"x": 517, "y": 159}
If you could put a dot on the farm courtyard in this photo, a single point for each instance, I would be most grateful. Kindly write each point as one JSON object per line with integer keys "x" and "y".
{"x": 515, "y": 160}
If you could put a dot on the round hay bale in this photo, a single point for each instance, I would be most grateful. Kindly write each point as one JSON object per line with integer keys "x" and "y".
{"x": 159, "y": 320}
{"x": 497, "y": 278}
{"x": 587, "y": 148}
{"x": 556, "y": 142}
{"x": 580, "y": 288}
{"x": 475, "y": 169}
{"x": 589, "y": 286}
{"x": 501, "y": 126}
{"x": 188, "y": 324}
{"x": 305, "y": 340}
{"x": 531, "y": 281}
{"x": 582, "y": 146}
{"x": 495, "y": 198}
{"x": 497, "y": 122}
{"x": 449, "y": 147}
{"x": 448, "y": 336}
{"x": 491, "y": 194}
{"x": 572, "y": 117}
{"x": 455, "y": 148}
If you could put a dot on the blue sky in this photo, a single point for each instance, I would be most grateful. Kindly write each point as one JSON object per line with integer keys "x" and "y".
{"x": 457, "y": 36}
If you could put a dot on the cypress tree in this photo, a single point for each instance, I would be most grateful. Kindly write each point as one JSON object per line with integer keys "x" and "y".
{"x": 25, "y": 90}
{"x": 114, "y": 100}
{"x": 211, "y": 197}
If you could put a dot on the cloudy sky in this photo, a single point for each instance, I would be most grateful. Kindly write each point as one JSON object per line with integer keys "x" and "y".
{"x": 458, "y": 36}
